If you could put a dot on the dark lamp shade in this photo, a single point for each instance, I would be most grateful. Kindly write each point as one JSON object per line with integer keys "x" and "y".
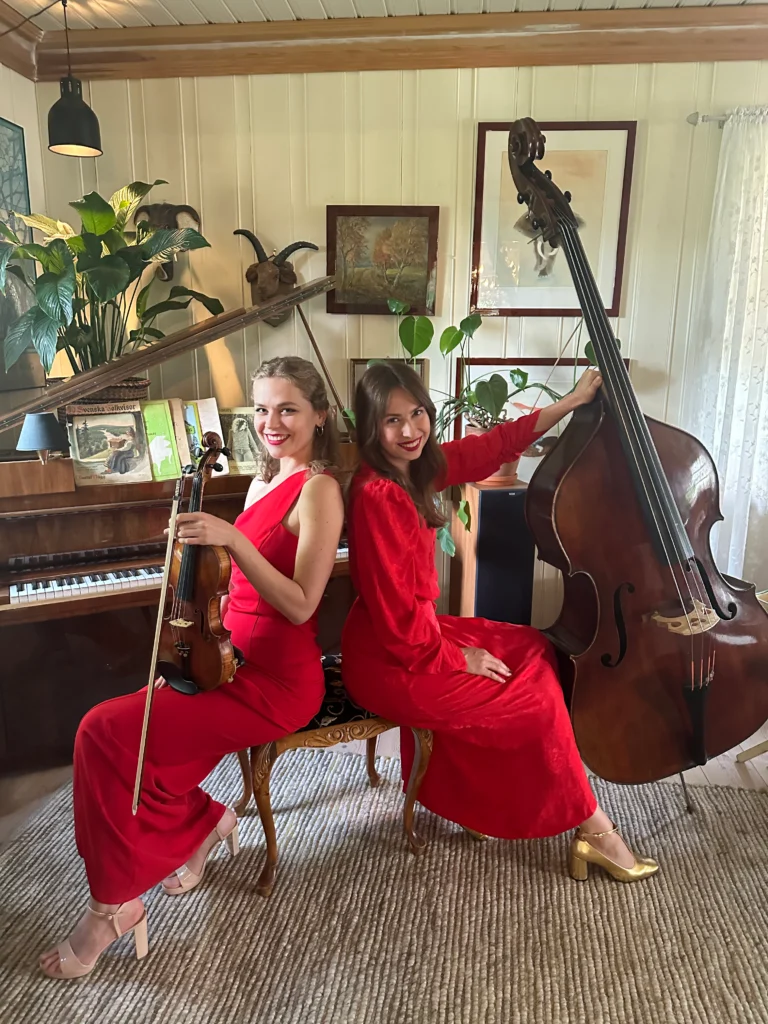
{"x": 42, "y": 432}
{"x": 73, "y": 128}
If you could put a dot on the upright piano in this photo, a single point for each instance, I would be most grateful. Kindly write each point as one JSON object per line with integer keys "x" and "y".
{"x": 80, "y": 578}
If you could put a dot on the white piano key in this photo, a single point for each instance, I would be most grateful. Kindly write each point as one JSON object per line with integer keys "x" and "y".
{"x": 15, "y": 597}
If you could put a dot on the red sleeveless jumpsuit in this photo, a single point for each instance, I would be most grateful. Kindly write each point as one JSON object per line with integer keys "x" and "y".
{"x": 277, "y": 691}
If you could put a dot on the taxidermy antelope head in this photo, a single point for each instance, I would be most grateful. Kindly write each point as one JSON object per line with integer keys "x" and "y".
{"x": 165, "y": 215}
{"x": 271, "y": 275}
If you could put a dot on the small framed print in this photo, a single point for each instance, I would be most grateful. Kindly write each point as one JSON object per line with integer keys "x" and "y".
{"x": 514, "y": 271}
{"x": 357, "y": 368}
{"x": 377, "y": 253}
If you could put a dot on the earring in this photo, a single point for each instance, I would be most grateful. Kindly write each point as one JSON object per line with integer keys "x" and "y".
{"x": 319, "y": 430}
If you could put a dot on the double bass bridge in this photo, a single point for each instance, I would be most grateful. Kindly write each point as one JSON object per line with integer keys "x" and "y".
{"x": 693, "y": 621}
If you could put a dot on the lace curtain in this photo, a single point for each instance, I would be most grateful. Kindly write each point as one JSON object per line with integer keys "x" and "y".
{"x": 726, "y": 384}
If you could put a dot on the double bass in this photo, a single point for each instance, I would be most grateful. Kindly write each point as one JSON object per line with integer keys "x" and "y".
{"x": 665, "y": 660}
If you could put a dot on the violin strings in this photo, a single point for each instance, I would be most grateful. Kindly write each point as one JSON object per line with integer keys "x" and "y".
{"x": 610, "y": 353}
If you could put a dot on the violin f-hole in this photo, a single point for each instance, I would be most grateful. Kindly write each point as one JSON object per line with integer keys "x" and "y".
{"x": 621, "y": 629}
{"x": 711, "y": 594}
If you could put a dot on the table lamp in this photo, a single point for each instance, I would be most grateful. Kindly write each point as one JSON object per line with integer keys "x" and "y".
{"x": 42, "y": 433}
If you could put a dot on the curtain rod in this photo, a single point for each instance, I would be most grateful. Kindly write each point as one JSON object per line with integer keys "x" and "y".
{"x": 697, "y": 118}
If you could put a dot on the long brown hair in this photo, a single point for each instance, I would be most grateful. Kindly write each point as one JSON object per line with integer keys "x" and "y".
{"x": 301, "y": 373}
{"x": 371, "y": 400}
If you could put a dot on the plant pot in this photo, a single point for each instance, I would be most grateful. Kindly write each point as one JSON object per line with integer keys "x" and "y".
{"x": 134, "y": 389}
{"x": 505, "y": 475}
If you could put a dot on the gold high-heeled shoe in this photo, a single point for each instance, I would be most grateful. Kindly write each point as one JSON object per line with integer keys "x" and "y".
{"x": 583, "y": 854}
{"x": 188, "y": 879}
{"x": 71, "y": 966}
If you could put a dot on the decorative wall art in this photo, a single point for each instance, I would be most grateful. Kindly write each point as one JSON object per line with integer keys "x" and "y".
{"x": 514, "y": 271}
{"x": 357, "y": 368}
{"x": 378, "y": 253}
{"x": 14, "y": 199}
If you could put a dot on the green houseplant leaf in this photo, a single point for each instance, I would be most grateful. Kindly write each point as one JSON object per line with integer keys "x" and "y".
{"x": 492, "y": 394}
{"x": 162, "y": 245}
{"x": 32, "y": 328}
{"x": 397, "y": 307}
{"x": 107, "y": 278}
{"x": 416, "y": 334}
{"x": 54, "y": 293}
{"x": 47, "y": 225}
{"x": 446, "y": 540}
{"x": 213, "y": 306}
{"x": 97, "y": 215}
{"x": 470, "y": 324}
{"x": 126, "y": 200}
{"x": 9, "y": 234}
{"x": 450, "y": 338}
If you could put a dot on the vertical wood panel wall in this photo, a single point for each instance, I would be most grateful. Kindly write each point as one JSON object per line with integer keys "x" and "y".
{"x": 269, "y": 152}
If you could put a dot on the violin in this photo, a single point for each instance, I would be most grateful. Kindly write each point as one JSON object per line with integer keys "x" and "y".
{"x": 192, "y": 649}
{"x": 664, "y": 660}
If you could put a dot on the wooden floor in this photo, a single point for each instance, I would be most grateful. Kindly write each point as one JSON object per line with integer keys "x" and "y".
{"x": 726, "y": 771}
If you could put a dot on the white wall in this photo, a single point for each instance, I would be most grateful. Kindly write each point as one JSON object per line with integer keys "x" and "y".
{"x": 18, "y": 104}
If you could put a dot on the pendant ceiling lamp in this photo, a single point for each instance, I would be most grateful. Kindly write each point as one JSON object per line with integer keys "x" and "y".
{"x": 73, "y": 128}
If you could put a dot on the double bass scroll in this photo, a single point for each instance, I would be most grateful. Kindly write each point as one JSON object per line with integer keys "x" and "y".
{"x": 666, "y": 661}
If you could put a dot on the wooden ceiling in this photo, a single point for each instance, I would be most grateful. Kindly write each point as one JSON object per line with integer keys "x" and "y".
{"x": 134, "y": 39}
{"x": 105, "y": 14}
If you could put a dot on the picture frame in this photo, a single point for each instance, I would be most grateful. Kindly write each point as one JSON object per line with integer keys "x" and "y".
{"x": 382, "y": 252}
{"x": 516, "y": 274}
{"x": 357, "y": 368}
{"x": 556, "y": 373}
{"x": 14, "y": 199}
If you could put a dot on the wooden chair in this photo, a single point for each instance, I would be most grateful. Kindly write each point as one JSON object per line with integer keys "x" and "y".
{"x": 338, "y": 721}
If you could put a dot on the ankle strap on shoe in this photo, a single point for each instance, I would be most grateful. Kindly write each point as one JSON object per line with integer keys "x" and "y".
{"x": 108, "y": 917}
{"x": 599, "y": 835}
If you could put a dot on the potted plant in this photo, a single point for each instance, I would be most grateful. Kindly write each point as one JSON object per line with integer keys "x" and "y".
{"x": 89, "y": 299}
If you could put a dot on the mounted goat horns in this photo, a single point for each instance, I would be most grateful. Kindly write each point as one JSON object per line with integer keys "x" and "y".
{"x": 282, "y": 256}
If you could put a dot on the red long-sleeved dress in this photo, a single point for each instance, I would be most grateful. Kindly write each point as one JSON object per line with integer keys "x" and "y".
{"x": 504, "y": 760}
{"x": 276, "y": 692}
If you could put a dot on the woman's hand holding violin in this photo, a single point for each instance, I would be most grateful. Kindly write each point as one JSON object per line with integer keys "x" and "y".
{"x": 204, "y": 529}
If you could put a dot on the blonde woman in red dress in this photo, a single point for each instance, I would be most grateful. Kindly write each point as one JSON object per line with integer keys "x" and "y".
{"x": 283, "y": 548}
{"x": 504, "y": 761}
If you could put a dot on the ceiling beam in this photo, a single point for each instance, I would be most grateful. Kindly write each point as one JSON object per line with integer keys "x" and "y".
{"x": 17, "y": 49}
{"x": 677, "y": 35}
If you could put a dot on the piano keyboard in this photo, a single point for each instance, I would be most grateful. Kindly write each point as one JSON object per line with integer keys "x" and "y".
{"x": 65, "y": 587}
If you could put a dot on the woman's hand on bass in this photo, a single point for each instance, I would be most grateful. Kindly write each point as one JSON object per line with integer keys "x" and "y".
{"x": 205, "y": 529}
{"x": 483, "y": 663}
{"x": 587, "y": 387}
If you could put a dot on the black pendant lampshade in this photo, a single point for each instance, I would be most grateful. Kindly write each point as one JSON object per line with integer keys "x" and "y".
{"x": 73, "y": 128}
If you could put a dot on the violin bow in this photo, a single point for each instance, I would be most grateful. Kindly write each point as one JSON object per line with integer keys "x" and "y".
{"x": 156, "y": 646}
{"x": 348, "y": 422}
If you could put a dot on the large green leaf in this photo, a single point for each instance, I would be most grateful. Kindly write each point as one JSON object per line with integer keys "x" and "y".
{"x": 50, "y": 228}
{"x": 464, "y": 514}
{"x": 91, "y": 254}
{"x": 519, "y": 379}
{"x": 18, "y": 272}
{"x": 398, "y": 307}
{"x": 34, "y": 251}
{"x": 450, "y": 338}
{"x": 97, "y": 215}
{"x": 32, "y": 328}
{"x": 163, "y": 307}
{"x": 59, "y": 256}
{"x": 134, "y": 257}
{"x": 416, "y": 334}
{"x": 492, "y": 394}
{"x": 114, "y": 241}
{"x": 213, "y": 306}
{"x": 110, "y": 276}
{"x": 162, "y": 245}
{"x": 7, "y": 249}
{"x": 446, "y": 540}
{"x": 54, "y": 293}
{"x": 9, "y": 234}
{"x": 126, "y": 200}
{"x": 141, "y": 301}
{"x": 470, "y": 324}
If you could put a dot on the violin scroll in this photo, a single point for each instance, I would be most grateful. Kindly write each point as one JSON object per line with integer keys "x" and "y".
{"x": 548, "y": 207}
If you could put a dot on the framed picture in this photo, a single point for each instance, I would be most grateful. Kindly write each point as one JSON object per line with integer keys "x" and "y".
{"x": 514, "y": 271}
{"x": 378, "y": 253}
{"x": 559, "y": 376}
{"x": 14, "y": 199}
{"x": 357, "y": 368}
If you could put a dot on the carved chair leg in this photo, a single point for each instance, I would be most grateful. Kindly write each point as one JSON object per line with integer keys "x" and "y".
{"x": 242, "y": 804}
{"x": 262, "y": 759}
{"x": 373, "y": 775}
{"x": 421, "y": 755}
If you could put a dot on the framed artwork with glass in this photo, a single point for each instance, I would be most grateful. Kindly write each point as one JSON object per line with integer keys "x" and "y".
{"x": 515, "y": 272}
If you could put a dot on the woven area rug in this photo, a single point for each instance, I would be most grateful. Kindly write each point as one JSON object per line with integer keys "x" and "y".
{"x": 359, "y": 931}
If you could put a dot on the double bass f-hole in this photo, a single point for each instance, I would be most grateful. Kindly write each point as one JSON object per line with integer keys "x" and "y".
{"x": 621, "y": 626}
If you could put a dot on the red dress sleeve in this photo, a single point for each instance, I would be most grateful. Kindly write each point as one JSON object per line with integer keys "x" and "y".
{"x": 384, "y": 533}
{"x": 479, "y": 455}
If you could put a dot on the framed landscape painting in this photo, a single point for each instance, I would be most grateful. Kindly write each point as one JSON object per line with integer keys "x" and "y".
{"x": 14, "y": 199}
{"x": 514, "y": 271}
{"x": 377, "y": 253}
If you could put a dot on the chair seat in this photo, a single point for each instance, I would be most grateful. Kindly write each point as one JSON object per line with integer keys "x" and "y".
{"x": 337, "y": 708}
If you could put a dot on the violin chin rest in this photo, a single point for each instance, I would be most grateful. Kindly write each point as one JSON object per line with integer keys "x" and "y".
{"x": 175, "y": 679}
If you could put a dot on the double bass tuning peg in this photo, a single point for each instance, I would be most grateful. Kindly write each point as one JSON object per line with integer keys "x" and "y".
{"x": 567, "y": 196}
{"x": 522, "y": 198}
{"x": 548, "y": 174}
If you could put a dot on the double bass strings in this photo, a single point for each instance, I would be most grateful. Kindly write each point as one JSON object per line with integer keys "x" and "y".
{"x": 604, "y": 343}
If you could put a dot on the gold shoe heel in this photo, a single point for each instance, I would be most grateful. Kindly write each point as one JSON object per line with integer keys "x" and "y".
{"x": 584, "y": 853}
{"x": 579, "y": 868}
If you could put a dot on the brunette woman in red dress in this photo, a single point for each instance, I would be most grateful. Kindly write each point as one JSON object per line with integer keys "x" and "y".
{"x": 283, "y": 548}
{"x": 504, "y": 761}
